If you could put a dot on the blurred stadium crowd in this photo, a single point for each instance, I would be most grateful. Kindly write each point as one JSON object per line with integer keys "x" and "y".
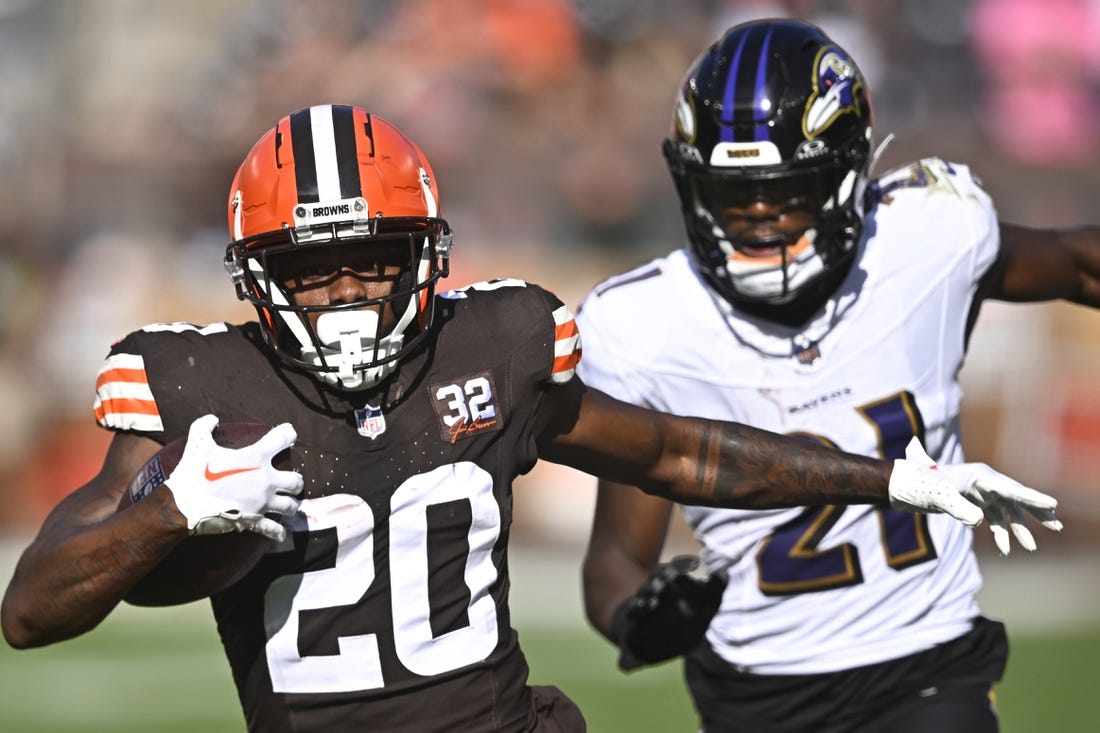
{"x": 123, "y": 121}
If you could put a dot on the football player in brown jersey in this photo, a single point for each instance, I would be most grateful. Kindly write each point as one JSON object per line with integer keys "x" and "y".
{"x": 383, "y": 602}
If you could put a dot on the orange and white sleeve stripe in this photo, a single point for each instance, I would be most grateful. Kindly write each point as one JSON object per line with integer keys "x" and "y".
{"x": 567, "y": 346}
{"x": 123, "y": 398}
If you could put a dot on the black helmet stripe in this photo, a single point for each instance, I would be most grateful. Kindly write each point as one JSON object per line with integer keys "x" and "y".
{"x": 325, "y": 162}
{"x": 343, "y": 132}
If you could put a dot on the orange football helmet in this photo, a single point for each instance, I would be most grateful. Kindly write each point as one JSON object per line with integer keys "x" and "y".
{"x": 333, "y": 176}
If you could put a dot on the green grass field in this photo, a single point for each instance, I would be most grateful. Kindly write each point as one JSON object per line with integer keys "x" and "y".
{"x": 162, "y": 669}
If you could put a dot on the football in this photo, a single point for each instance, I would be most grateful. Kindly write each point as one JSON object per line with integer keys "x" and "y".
{"x": 200, "y": 565}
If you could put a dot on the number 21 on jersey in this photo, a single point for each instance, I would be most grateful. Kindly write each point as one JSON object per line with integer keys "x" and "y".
{"x": 793, "y": 559}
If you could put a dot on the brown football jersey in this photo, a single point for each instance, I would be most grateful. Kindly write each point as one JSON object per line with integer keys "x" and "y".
{"x": 387, "y": 607}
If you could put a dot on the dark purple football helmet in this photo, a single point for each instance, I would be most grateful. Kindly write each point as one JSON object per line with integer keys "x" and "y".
{"x": 774, "y": 109}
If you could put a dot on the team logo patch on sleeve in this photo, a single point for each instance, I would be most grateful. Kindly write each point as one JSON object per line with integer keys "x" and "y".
{"x": 123, "y": 398}
{"x": 567, "y": 346}
{"x": 466, "y": 407}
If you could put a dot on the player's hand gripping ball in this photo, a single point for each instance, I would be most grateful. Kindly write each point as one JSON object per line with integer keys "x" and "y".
{"x": 202, "y": 564}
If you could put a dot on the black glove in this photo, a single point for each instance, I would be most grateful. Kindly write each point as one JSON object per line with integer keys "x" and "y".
{"x": 667, "y": 615}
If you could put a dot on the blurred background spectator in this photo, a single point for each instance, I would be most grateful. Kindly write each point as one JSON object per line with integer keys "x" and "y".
{"x": 124, "y": 120}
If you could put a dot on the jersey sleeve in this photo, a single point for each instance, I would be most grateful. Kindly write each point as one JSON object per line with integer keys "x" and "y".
{"x": 981, "y": 214}
{"x": 946, "y": 200}
{"x": 604, "y": 366}
{"x": 123, "y": 397}
{"x": 140, "y": 386}
{"x": 567, "y": 340}
{"x": 524, "y": 322}
{"x": 552, "y": 330}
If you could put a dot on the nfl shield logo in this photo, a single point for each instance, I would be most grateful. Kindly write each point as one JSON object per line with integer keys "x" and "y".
{"x": 370, "y": 421}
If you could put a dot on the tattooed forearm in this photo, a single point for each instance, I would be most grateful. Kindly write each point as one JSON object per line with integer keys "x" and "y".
{"x": 754, "y": 469}
{"x": 709, "y": 462}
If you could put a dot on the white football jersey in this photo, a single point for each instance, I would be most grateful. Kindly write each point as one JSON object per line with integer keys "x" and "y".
{"x": 821, "y": 589}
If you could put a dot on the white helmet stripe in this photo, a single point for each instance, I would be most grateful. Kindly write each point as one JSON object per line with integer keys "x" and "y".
{"x": 324, "y": 153}
{"x": 326, "y": 161}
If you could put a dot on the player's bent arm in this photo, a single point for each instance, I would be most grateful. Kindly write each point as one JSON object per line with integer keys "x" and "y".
{"x": 1047, "y": 264}
{"x": 696, "y": 461}
{"x": 628, "y": 534}
{"x": 86, "y": 556}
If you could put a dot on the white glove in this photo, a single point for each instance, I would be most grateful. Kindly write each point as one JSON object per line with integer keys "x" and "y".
{"x": 222, "y": 490}
{"x": 970, "y": 492}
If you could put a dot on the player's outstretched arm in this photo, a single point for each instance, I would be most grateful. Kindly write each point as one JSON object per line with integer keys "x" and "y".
{"x": 696, "y": 461}
{"x": 713, "y": 463}
{"x": 1047, "y": 264}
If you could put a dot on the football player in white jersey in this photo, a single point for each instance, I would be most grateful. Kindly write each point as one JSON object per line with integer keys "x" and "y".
{"x": 816, "y": 302}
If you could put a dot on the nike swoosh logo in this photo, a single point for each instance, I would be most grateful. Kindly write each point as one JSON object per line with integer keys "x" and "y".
{"x": 216, "y": 475}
